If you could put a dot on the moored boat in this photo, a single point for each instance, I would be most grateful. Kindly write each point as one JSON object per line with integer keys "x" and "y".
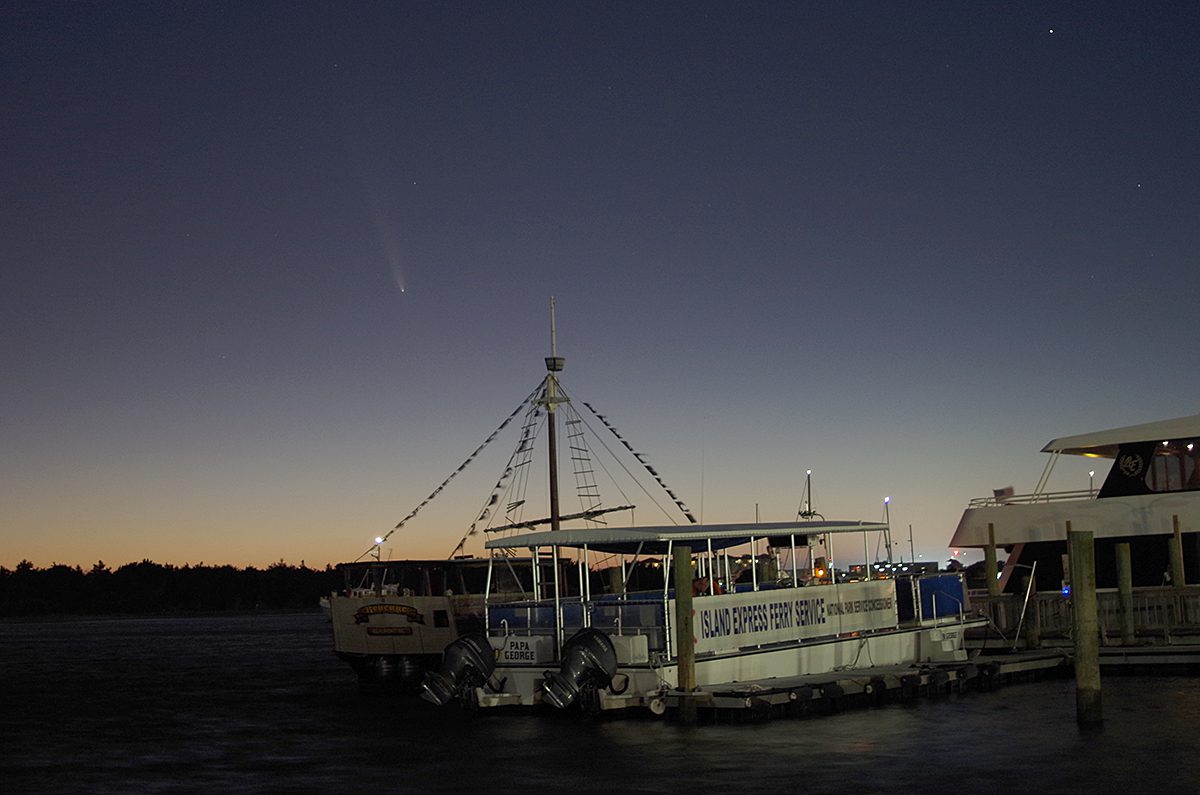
{"x": 1150, "y": 495}
{"x": 622, "y": 649}
{"x": 392, "y": 619}
{"x": 769, "y": 604}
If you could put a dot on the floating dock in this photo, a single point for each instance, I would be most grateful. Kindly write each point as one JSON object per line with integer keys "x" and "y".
{"x": 823, "y": 694}
{"x": 817, "y": 694}
{"x": 1157, "y": 658}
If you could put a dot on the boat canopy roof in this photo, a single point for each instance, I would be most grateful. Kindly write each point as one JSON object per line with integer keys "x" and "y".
{"x": 1104, "y": 444}
{"x": 654, "y": 540}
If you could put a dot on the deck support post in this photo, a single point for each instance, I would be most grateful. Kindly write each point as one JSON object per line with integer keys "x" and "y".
{"x": 1086, "y": 627}
{"x": 1125, "y": 591}
{"x": 685, "y": 649}
{"x": 990, "y": 570}
{"x": 1175, "y": 550}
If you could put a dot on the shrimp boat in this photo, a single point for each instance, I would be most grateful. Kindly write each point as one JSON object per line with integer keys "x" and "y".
{"x": 393, "y": 618}
{"x": 623, "y": 617}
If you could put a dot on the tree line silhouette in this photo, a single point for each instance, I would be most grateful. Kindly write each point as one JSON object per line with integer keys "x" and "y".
{"x": 149, "y": 587}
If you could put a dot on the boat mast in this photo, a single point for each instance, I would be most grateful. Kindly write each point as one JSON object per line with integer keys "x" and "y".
{"x": 554, "y": 364}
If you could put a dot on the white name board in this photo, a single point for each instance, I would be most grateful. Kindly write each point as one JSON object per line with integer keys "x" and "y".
{"x": 524, "y": 649}
{"x": 732, "y": 621}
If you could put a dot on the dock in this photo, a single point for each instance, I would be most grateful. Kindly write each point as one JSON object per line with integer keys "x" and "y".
{"x": 827, "y": 693}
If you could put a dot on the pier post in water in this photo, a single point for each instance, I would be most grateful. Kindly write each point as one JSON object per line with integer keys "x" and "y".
{"x": 1086, "y": 627}
{"x": 990, "y": 569}
{"x": 1175, "y": 548}
{"x": 685, "y": 649}
{"x": 1125, "y": 590}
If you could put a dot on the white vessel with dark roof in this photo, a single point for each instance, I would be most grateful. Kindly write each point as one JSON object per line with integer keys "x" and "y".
{"x": 1153, "y": 486}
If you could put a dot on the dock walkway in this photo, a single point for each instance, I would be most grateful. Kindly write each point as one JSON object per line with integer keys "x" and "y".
{"x": 824, "y": 693}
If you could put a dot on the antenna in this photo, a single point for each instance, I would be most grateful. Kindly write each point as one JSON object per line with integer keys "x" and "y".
{"x": 805, "y": 511}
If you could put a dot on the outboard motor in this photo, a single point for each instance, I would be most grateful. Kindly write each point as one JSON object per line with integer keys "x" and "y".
{"x": 466, "y": 664}
{"x": 588, "y": 660}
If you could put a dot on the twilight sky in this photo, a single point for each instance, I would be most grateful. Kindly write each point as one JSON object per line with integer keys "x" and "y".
{"x": 269, "y": 271}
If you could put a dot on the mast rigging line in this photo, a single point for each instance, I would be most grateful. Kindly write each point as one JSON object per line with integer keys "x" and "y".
{"x": 454, "y": 474}
{"x": 533, "y": 417}
{"x": 640, "y": 459}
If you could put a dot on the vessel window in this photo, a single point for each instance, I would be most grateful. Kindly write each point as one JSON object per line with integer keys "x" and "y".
{"x": 441, "y": 618}
{"x": 472, "y": 579}
{"x": 435, "y": 581}
{"x": 504, "y": 582}
{"x": 408, "y": 580}
{"x": 1175, "y": 466}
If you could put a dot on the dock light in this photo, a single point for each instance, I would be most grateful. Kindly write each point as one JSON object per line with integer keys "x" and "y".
{"x": 1165, "y": 444}
{"x": 1066, "y": 590}
{"x": 1189, "y": 446}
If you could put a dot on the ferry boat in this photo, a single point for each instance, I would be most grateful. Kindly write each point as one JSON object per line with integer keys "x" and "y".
{"x": 769, "y": 604}
{"x": 617, "y": 649}
{"x": 1152, "y": 488}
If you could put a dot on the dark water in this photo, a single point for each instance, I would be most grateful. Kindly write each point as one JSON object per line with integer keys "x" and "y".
{"x": 260, "y": 704}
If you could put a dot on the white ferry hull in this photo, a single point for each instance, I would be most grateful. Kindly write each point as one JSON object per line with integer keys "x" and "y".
{"x": 645, "y": 686}
{"x": 746, "y": 637}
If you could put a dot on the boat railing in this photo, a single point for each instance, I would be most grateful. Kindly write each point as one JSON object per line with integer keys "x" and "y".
{"x": 616, "y": 615}
{"x": 955, "y": 602}
{"x": 1028, "y": 499}
{"x": 1159, "y": 612}
{"x": 926, "y": 598}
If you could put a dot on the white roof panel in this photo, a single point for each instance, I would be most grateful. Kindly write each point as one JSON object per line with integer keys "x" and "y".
{"x": 1105, "y": 443}
{"x": 654, "y": 539}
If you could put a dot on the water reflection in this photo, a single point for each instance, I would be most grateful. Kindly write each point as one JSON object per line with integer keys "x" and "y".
{"x": 259, "y": 703}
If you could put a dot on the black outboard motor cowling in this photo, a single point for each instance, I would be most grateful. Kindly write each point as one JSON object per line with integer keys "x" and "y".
{"x": 467, "y": 663}
{"x": 588, "y": 660}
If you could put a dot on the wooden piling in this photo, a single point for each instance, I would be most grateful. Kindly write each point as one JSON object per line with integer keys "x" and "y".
{"x": 990, "y": 569}
{"x": 1088, "y": 710}
{"x": 685, "y": 649}
{"x": 1175, "y": 550}
{"x": 1125, "y": 589}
